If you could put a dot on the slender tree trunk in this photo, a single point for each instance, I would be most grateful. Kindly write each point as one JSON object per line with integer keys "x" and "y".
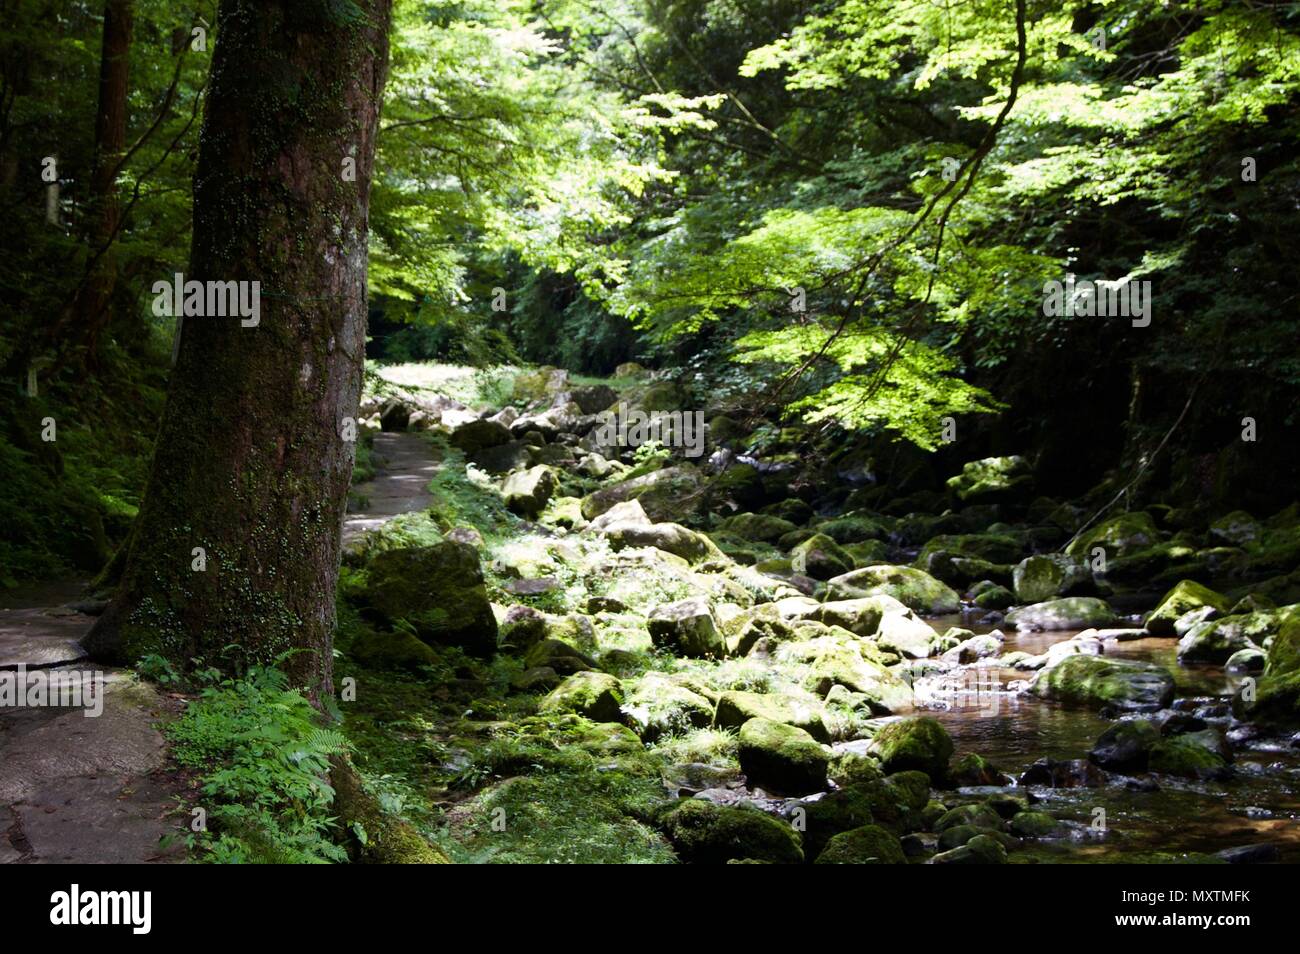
{"x": 236, "y": 550}
{"x": 110, "y": 143}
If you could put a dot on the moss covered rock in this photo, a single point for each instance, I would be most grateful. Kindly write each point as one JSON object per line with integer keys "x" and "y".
{"x": 396, "y": 649}
{"x": 920, "y": 743}
{"x": 688, "y": 628}
{"x": 478, "y": 435}
{"x": 821, "y": 558}
{"x": 975, "y": 814}
{"x": 704, "y": 833}
{"x": 904, "y": 634}
{"x": 853, "y": 528}
{"x": 914, "y": 588}
{"x": 993, "y": 596}
{"x": 992, "y": 479}
{"x": 1097, "y": 681}
{"x": 1214, "y": 641}
{"x": 594, "y": 695}
{"x": 1120, "y": 536}
{"x": 980, "y": 850}
{"x": 757, "y": 527}
{"x": 1125, "y": 746}
{"x": 439, "y": 591}
{"x": 1071, "y": 612}
{"x": 1236, "y": 529}
{"x": 527, "y": 492}
{"x": 782, "y": 758}
{"x": 1040, "y": 578}
{"x": 664, "y": 495}
{"x": 669, "y": 537}
{"x": 868, "y": 845}
{"x": 1035, "y": 825}
{"x": 1276, "y": 696}
{"x": 1193, "y": 755}
{"x": 735, "y": 708}
{"x": 1186, "y": 596}
{"x": 974, "y": 769}
{"x": 658, "y": 706}
{"x": 883, "y": 691}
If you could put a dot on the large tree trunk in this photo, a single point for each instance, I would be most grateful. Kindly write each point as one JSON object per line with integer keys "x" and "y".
{"x": 250, "y": 464}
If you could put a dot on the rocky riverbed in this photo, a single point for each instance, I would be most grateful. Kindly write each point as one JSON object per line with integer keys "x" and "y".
{"x": 596, "y": 652}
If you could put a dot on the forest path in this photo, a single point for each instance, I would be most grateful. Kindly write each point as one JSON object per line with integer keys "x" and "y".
{"x": 401, "y": 486}
{"x": 89, "y": 783}
{"x": 82, "y": 781}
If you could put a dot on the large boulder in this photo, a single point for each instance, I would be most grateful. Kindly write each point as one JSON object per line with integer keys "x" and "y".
{"x": 1120, "y": 536}
{"x": 659, "y": 706}
{"x": 757, "y": 527}
{"x": 628, "y": 512}
{"x": 821, "y": 558}
{"x": 501, "y": 458}
{"x": 736, "y": 707}
{"x": 664, "y": 494}
{"x": 1037, "y": 579}
{"x": 669, "y": 537}
{"x": 1276, "y": 697}
{"x": 883, "y": 691}
{"x": 992, "y": 479}
{"x": 590, "y": 400}
{"x": 479, "y": 434}
{"x": 527, "y": 492}
{"x": 919, "y": 743}
{"x": 561, "y": 419}
{"x": 688, "y": 628}
{"x": 861, "y": 616}
{"x": 903, "y": 633}
{"x": 868, "y": 845}
{"x": 1214, "y": 641}
{"x": 1125, "y": 746}
{"x": 1186, "y": 596}
{"x": 1071, "y": 612}
{"x": 396, "y": 649}
{"x": 1201, "y": 755}
{"x": 1100, "y": 682}
{"x": 914, "y": 588}
{"x": 782, "y": 758}
{"x": 704, "y": 833}
{"x": 439, "y": 591}
{"x": 595, "y": 695}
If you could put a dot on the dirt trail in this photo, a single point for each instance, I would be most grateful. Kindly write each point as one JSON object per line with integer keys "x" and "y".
{"x": 78, "y": 788}
{"x": 401, "y": 486}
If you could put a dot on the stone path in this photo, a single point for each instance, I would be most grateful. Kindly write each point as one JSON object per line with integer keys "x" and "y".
{"x": 401, "y": 485}
{"x": 78, "y": 783}
{"x": 94, "y": 789}
{"x": 38, "y": 629}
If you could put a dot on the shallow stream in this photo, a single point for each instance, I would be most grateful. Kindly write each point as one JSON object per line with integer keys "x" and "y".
{"x": 1013, "y": 730}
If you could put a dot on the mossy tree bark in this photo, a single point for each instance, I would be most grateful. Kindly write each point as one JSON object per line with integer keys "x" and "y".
{"x": 251, "y": 464}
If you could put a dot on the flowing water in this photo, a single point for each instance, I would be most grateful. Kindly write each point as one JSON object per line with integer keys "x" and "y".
{"x": 1261, "y": 804}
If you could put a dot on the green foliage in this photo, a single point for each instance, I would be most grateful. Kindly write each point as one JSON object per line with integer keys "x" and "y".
{"x": 263, "y": 758}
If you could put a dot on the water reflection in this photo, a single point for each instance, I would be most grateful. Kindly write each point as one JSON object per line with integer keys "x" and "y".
{"x": 1012, "y": 730}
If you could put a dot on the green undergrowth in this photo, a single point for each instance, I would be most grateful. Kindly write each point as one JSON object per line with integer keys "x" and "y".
{"x": 467, "y": 762}
{"x": 67, "y": 503}
{"x": 262, "y": 759}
